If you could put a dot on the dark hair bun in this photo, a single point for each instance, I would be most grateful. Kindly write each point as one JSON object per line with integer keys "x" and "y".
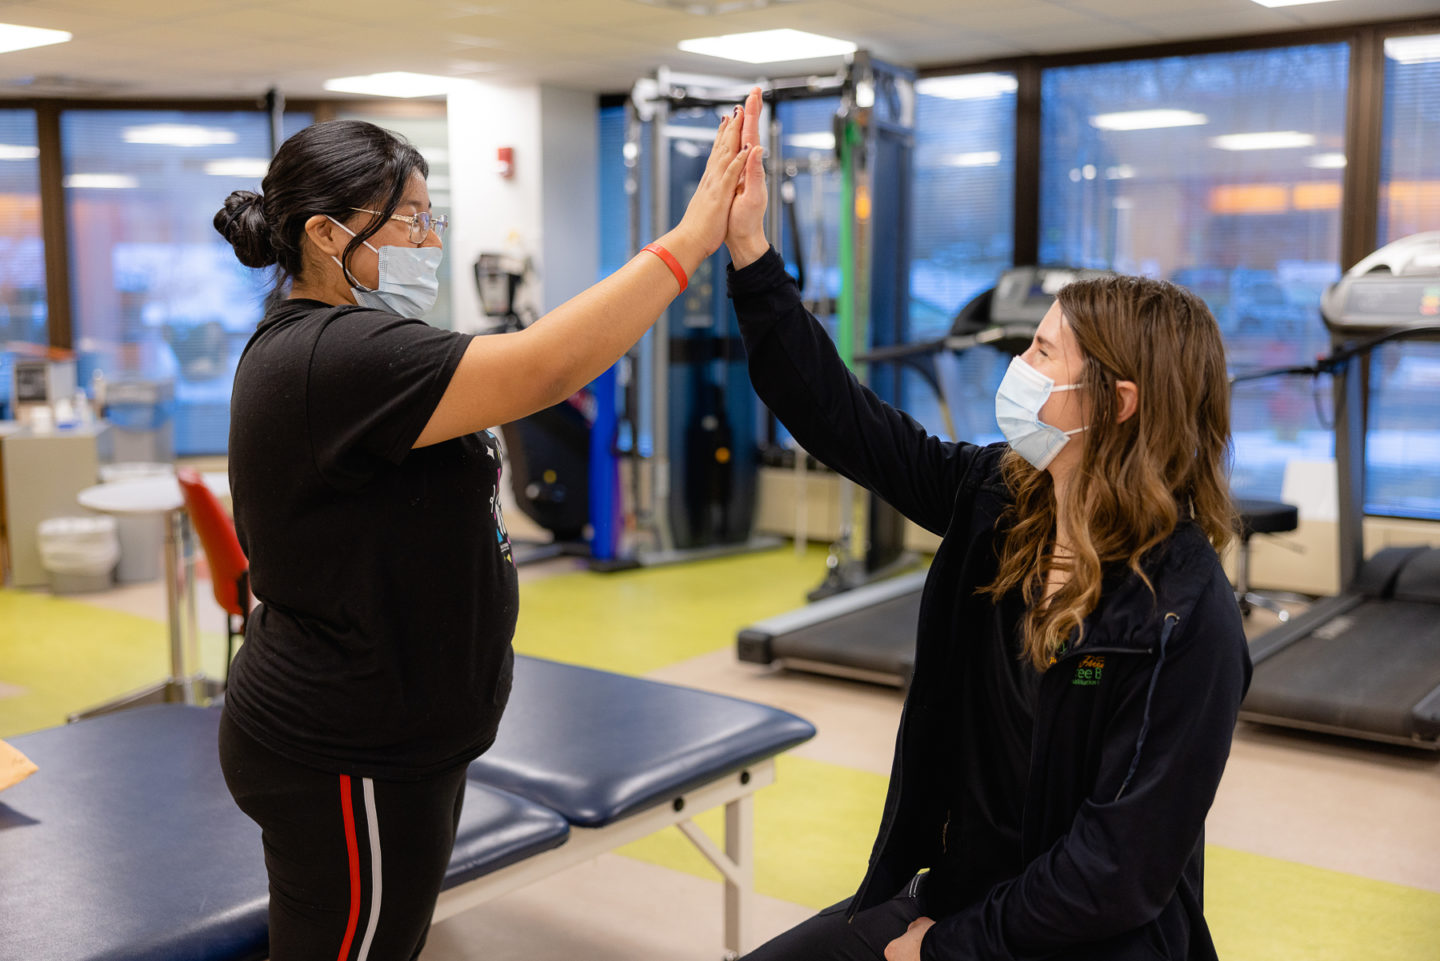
{"x": 242, "y": 223}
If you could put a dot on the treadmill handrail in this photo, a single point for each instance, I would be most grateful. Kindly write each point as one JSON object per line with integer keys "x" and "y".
{"x": 1340, "y": 355}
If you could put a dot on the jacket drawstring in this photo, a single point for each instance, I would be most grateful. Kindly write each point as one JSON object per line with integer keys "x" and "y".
{"x": 1170, "y": 621}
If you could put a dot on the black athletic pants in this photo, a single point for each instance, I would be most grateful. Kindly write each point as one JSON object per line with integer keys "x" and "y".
{"x": 829, "y": 937}
{"x": 355, "y": 864}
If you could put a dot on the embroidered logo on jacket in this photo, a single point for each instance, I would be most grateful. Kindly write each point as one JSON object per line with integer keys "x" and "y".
{"x": 1089, "y": 672}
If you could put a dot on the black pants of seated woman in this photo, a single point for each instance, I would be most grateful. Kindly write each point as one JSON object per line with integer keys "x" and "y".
{"x": 828, "y": 937}
{"x": 355, "y": 864}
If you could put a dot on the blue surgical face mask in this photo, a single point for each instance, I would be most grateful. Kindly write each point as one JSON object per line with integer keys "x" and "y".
{"x": 1023, "y": 392}
{"x": 409, "y": 282}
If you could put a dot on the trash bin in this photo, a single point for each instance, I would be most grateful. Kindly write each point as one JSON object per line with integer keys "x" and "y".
{"x": 79, "y": 553}
{"x": 142, "y": 536}
{"x": 142, "y": 413}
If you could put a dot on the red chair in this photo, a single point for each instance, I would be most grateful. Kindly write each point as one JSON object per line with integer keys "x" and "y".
{"x": 229, "y": 569}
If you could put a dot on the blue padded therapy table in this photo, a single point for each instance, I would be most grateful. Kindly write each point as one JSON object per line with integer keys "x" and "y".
{"x": 126, "y": 845}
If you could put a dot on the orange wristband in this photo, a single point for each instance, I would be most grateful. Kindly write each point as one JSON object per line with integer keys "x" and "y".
{"x": 670, "y": 262}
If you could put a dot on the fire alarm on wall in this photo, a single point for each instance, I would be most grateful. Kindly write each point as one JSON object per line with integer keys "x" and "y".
{"x": 505, "y": 162}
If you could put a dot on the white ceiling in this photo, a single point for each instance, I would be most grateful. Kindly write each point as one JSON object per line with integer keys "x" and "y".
{"x": 194, "y": 48}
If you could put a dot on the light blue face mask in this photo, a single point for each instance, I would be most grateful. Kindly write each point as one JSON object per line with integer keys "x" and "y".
{"x": 409, "y": 282}
{"x": 1023, "y": 391}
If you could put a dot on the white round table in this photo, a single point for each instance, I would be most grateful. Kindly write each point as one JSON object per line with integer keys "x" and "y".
{"x": 160, "y": 494}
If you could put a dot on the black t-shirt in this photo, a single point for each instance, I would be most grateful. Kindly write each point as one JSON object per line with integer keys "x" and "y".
{"x": 381, "y": 644}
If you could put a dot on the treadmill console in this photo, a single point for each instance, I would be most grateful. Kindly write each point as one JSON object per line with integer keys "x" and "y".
{"x": 1397, "y": 286}
{"x": 1024, "y": 294}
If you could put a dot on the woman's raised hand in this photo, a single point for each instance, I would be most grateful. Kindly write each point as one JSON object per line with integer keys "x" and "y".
{"x": 707, "y": 217}
{"x": 746, "y": 234}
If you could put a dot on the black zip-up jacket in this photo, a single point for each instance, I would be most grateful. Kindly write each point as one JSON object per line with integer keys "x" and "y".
{"x": 1089, "y": 787}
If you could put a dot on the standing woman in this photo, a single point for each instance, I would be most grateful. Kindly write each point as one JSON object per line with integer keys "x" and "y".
{"x": 365, "y": 485}
{"x": 1080, "y": 657}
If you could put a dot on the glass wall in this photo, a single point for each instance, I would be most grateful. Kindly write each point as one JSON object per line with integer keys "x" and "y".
{"x": 1404, "y": 439}
{"x": 22, "y": 249}
{"x": 613, "y": 194}
{"x": 1410, "y": 149}
{"x": 23, "y": 310}
{"x": 962, "y": 225}
{"x": 156, "y": 293}
{"x": 1223, "y": 173}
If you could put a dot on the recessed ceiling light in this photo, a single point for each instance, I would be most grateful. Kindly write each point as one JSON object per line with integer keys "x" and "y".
{"x": 973, "y": 86}
{"x": 102, "y": 182}
{"x": 1148, "y": 119}
{"x": 1267, "y": 140}
{"x": 13, "y": 37}
{"x": 769, "y": 46}
{"x": 1413, "y": 49}
{"x": 179, "y": 135}
{"x": 10, "y": 151}
{"x": 248, "y": 167}
{"x": 979, "y": 158}
{"x": 1326, "y": 161}
{"x": 1288, "y": 3}
{"x": 398, "y": 83}
{"x": 1120, "y": 172}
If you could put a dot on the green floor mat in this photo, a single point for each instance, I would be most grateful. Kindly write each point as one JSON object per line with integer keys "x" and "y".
{"x": 815, "y": 825}
{"x": 59, "y": 656}
{"x": 638, "y": 621}
{"x": 1265, "y": 909}
{"x": 813, "y": 831}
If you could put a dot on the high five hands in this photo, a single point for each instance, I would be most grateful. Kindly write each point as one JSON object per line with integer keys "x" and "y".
{"x": 729, "y": 203}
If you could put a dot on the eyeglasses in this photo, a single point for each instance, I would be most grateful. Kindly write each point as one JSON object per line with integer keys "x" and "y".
{"x": 420, "y": 225}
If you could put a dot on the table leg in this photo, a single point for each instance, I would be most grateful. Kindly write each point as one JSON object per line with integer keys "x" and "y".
{"x": 194, "y": 676}
{"x": 178, "y": 570}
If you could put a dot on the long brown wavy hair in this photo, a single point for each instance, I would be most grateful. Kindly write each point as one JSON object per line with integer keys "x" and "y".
{"x": 1137, "y": 479}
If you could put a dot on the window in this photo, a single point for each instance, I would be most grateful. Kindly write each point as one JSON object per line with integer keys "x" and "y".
{"x": 962, "y": 237}
{"x": 1403, "y": 446}
{"x": 613, "y": 194}
{"x": 1410, "y": 160}
{"x": 22, "y": 250}
{"x": 156, "y": 292}
{"x": 1221, "y": 172}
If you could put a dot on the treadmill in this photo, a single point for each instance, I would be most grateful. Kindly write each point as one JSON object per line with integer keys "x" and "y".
{"x": 868, "y": 633}
{"x": 1365, "y": 663}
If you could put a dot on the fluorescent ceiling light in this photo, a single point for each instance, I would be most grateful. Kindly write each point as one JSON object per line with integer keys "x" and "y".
{"x": 769, "y": 46}
{"x": 1288, "y": 3}
{"x": 1326, "y": 161}
{"x": 973, "y": 86}
{"x": 812, "y": 141}
{"x": 1268, "y": 140}
{"x": 1413, "y": 49}
{"x": 13, "y": 37}
{"x": 179, "y": 135}
{"x": 980, "y": 158}
{"x": 10, "y": 151}
{"x": 1148, "y": 119}
{"x": 247, "y": 167}
{"x": 102, "y": 181}
{"x": 398, "y": 84}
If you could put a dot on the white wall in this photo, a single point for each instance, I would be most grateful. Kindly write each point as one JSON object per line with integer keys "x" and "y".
{"x": 570, "y": 220}
{"x": 547, "y": 210}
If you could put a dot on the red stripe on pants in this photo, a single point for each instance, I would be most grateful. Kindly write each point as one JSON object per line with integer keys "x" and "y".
{"x": 353, "y": 849}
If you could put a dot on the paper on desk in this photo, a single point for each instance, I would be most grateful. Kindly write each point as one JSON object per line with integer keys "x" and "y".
{"x": 14, "y": 766}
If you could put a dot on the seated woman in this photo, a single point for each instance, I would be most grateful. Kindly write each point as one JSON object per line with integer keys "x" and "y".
{"x": 1080, "y": 657}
